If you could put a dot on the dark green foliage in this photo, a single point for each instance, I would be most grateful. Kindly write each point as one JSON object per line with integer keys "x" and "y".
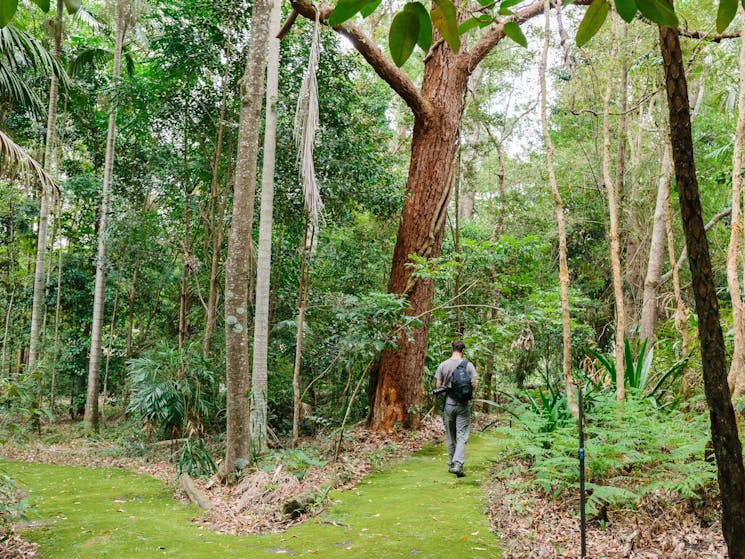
{"x": 631, "y": 448}
{"x": 174, "y": 391}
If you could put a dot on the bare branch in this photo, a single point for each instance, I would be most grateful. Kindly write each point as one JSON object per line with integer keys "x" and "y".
{"x": 385, "y": 68}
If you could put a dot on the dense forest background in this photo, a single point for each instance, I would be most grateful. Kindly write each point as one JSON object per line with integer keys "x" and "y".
{"x": 594, "y": 148}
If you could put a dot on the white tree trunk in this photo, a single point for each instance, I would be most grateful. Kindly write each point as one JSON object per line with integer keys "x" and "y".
{"x": 736, "y": 377}
{"x": 260, "y": 377}
{"x": 559, "y": 208}
{"x": 99, "y": 294}
{"x": 615, "y": 251}
{"x": 37, "y": 306}
{"x": 657, "y": 245}
{"x": 240, "y": 246}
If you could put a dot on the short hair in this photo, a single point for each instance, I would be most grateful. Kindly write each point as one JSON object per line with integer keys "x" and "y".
{"x": 459, "y": 346}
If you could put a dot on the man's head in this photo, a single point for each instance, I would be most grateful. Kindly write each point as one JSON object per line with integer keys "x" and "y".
{"x": 458, "y": 346}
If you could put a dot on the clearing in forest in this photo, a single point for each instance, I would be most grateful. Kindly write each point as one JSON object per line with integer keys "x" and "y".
{"x": 412, "y": 508}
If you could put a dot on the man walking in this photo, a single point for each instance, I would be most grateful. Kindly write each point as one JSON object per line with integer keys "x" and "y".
{"x": 456, "y": 374}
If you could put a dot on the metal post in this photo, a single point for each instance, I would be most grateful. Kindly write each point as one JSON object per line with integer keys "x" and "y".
{"x": 581, "y": 475}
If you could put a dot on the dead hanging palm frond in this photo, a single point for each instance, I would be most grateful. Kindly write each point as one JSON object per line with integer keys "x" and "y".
{"x": 306, "y": 124}
{"x": 20, "y": 157}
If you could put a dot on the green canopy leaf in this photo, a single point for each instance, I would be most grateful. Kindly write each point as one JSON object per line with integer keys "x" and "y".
{"x": 369, "y": 8}
{"x": 725, "y": 14}
{"x": 593, "y": 21}
{"x": 513, "y": 31}
{"x": 626, "y": 9}
{"x": 403, "y": 36}
{"x": 72, "y": 5}
{"x": 344, "y": 10}
{"x": 7, "y": 11}
{"x": 658, "y": 11}
{"x": 445, "y": 20}
{"x": 424, "y": 39}
{"x": 43, "y": 4}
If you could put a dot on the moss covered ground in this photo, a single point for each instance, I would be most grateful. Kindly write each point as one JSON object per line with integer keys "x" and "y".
{"x": 413, "y": 508}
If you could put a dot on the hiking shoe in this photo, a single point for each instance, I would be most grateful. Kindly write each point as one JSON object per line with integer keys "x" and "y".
{"x": 457, "y": 469}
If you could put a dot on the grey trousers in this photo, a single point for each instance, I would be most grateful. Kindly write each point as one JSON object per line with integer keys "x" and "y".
{"x": 457, "y": 419}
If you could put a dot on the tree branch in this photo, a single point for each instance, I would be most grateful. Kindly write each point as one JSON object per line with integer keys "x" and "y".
{"x": 684, "y": 254}
{"x": 385, "y": 68}
{"x": 495, "y": 34}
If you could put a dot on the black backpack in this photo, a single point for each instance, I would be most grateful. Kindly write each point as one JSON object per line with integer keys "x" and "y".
{"x": 461, "y": 389}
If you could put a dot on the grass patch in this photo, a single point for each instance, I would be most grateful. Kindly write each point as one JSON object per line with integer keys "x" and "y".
{"x": 413, "y": 508}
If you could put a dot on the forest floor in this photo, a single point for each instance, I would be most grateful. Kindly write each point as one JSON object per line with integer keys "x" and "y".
{"x": 529, "y": 525}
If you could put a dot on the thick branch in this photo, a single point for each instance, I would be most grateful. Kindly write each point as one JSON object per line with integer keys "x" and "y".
{"x": 385, "y": 68}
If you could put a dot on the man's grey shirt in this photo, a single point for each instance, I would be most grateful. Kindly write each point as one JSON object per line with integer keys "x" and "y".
{"x": 445, "y": 372}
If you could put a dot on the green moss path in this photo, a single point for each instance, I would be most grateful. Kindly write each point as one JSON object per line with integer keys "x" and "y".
{"x": 414, "y": 508}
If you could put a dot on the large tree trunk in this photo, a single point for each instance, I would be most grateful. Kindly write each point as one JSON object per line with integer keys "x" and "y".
{"x": 737, "y": 366}
{"x": 240, "y": 247}
{"x": 431, "y": 172}
{"x": 725, "y": 438}
{"x": 615, "y": 250}
{"x": 566, "y": 361}
{"x": 438, "y": 108}
{"x": 99, "y": 293}
{"x": 260, "y": 377}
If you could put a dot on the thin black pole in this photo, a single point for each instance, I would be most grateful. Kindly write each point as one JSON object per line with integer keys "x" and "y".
{"x": 581, "y": 474}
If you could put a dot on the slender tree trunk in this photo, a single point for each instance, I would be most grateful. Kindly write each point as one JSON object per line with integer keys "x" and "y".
{"x": 108, "y": 356}
{"x": 57, "y": 318}
{"x": 615, "y": 250}
{"x": 99, "y": 294}
{"x": 240, "y": 247}
{"x": 183, "y": 324}
{"x": 681, "y": 311}
{"x": 131, "y": 308}
{"x": 566, "y": 361}
{"x": 456, "y": 247}
{"x": 216, "y": 213}
{"x": 260, "y": 377}
{"x": 6, "y": 329}
{"x": 736, "y": 376}
{"x": 725, "y": 438}
{"x": 493, "y": 277}
{"x": 657, "y": 245}
{"x": 37, "y": 307}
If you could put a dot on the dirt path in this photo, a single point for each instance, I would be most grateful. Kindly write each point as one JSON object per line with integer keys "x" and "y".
{"x": 413, "y": 508}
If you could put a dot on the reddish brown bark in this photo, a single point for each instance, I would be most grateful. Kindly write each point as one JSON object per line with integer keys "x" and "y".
{"x": 433, "y": 150}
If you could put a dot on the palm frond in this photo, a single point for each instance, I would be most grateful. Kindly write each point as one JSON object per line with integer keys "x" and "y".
{"x": 306, "y": 124}
{"x": 20, "y": 156}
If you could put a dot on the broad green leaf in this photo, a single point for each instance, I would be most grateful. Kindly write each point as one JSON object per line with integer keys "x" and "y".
{"x": 466, "y": 26}
{"x": 513, "y": 31}
{"x": 659, "y": 11}
{"x": 490, "y": 3}
{"x": 424, "y": 39}
{"x": 626, "y": 9}
{"x": 445, "y": 20}
{"x": 7, "y": 11}
{"x": 509, "y": 3}
{"x": 72, "y": 5}
{"x": 403, "y": 35}
{"x": 344, "y": 10}
{"x": 43, "y": 4}
{"x": 369, "y": 8}
{"x": 725, "y": 14}
{"x": 593, "y": 21}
